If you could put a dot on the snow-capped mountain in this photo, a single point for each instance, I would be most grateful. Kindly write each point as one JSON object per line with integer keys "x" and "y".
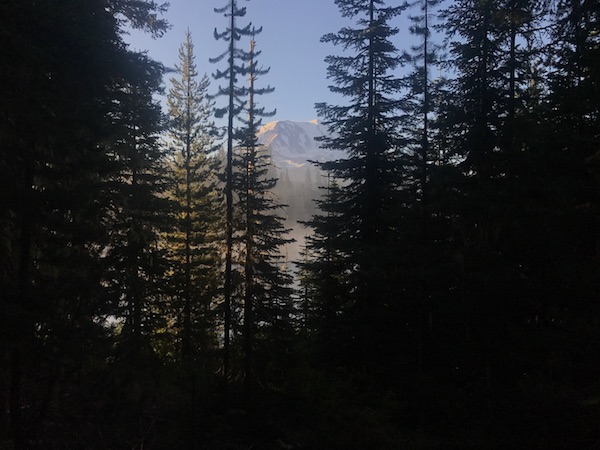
{"x": 293, "y": 144}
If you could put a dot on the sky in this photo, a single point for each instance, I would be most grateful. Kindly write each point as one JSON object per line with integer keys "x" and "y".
{"x": 290, "y": 46}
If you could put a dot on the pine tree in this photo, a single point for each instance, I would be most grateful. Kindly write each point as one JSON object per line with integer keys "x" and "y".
{"x": 55, "y": 128}
{"x": 236, "y": 58}
{"x": 324, "y": 279}
{"x": 134, "y": 260}
{"x": 425, "y": 230}
{"x": 569, "y": 145}
{"x": 365, "y": 128}
{"x": 492, "y": 141}
{"x": 267, "y": 292}
{"x": 193, "y": 188}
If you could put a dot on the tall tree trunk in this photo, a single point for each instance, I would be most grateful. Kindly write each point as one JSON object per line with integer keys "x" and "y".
{"x": 229, "y": 201}
{"x": 426, "y": 107}
{"x": 371, "y": 157}
{"x": 248, "y": 295}
{"x": 187, "y": 307}
{"x": 249, "y": 268}
{"x": 134, "y": 254}
{"x": 423, "y": 288}
{"x": 371, "y": 206}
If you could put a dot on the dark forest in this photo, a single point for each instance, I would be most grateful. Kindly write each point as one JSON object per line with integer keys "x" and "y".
{"x": 447, "y": 295}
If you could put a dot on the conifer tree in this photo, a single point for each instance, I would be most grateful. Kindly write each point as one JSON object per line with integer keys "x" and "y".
{"x": 267, "y": 292}
{"x": 573, "y": 76}
{"x": 569, "y": 141}
{"x": 324, "y": 278}
{"x": 365, "y": 128}
{"x": 423, "y": 57}
{"x": 475, "y": 50}
{"x": 235, "y": 58}
{"x": 493, "y": 143}
{"x": 57, "y": 127}
{"x": 51, "y": 130}
{"x": 135, "y": 261}
{"x": 191, "y": 133}
{"x": 425, "y": 230}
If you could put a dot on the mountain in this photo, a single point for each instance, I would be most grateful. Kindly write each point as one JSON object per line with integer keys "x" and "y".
{"x": 293, "y": 144}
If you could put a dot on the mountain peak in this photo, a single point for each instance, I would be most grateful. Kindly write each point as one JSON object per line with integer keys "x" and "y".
{"x": 293, "y": 143}
{"x": 291, "y": 136}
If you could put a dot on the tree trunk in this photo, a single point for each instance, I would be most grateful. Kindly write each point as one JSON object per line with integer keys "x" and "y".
{"x": 249, "y": 268}
{"x": 187, "y": 308}
{"x": 229, "y": 201}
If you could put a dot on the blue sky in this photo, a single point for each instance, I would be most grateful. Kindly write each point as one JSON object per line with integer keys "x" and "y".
{"x": 290, "y": 45}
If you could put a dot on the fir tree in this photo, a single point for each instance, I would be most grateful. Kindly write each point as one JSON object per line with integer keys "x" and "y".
{"x": 135, "y": 187}
{"x": 56, "y": 127}
{"x": 267, "y": 292}
{"x": 236, "y": 58}
{"x": 365, "y": 128}
{"x": 423, "y": 58}
{"x": 425, "y": 231}
{"x": 324, "y": 279}
{"x": 568, "y": 171}
{"x": 492, "y": 142}
{"x": 193, "y": 188}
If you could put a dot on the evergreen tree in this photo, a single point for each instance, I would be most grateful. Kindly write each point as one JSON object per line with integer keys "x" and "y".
{"x": 324, "y": 279}
{"x": 192, "y": 245}
{"x": 134, "y": 260}
{"x": 55, "y": 128}
{"x": 493, "y": 142}
{"x": 475, "y": 143}
{"x": 267, "y": 292}
{"x": 573, "y": 81}
{"x": 423, "y": 57}
{"x": 365, "y": 128}
{"x": 425, "y": 228}
{"x": 236, "y": 58}
{"x": 569, "y": 140}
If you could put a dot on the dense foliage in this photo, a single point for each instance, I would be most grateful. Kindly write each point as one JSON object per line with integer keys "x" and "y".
{"x": 446, "y": 296}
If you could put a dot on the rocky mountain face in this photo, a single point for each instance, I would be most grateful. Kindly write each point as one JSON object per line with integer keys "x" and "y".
{"x": 293, "y": 144}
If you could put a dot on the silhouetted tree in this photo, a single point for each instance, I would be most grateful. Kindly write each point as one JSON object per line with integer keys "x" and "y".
{"x": 236, "y": 58}
{"x": 267, "y": 293}
{"x": 365, "y": 128}
{"x": 58, "y": 136}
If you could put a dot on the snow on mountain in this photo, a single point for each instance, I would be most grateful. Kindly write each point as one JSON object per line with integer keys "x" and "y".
{"x": 293, "y": 144}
